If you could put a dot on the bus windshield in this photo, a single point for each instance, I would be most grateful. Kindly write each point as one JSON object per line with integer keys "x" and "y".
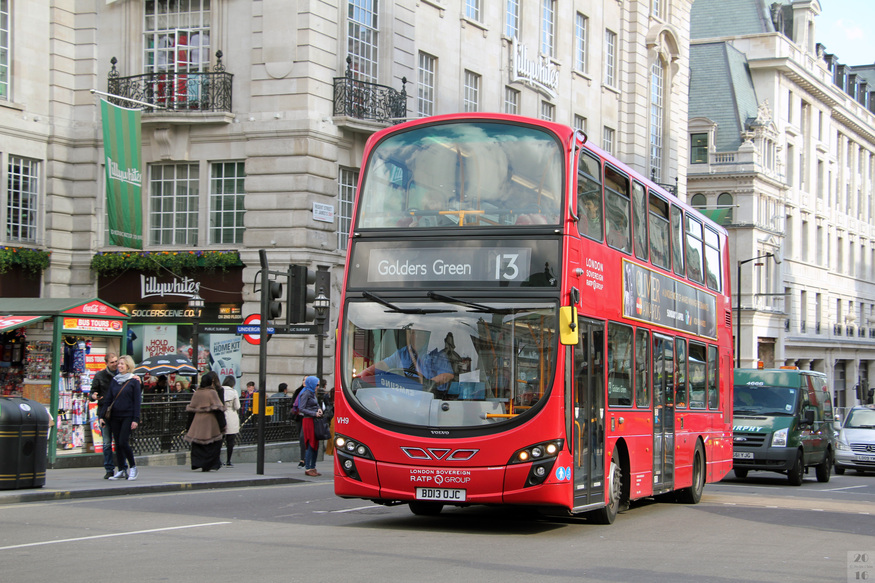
{"x": 448, "y": 364}
{"x": 764, "y": 400}
{"x": 462, "y": 175}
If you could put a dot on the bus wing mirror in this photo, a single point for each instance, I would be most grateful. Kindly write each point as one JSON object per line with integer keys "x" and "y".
{"x": 569, "y": 333}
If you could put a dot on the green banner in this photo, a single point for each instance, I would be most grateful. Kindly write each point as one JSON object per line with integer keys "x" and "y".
{"x": 124, "y": 180}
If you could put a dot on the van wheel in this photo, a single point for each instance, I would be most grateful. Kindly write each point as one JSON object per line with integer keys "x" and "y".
{"x": 824, "y": 468}
{"x": 740, "y": 473}
{"x": 426, "y": 508}
{"x": 693, "y": 494}
{"x": 608, "y": 514}
{"x": 796, "y": 473}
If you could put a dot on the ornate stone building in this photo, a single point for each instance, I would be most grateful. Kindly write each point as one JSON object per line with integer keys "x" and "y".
{"x": 257, "y": 115}
{"x": 783, "y": 150}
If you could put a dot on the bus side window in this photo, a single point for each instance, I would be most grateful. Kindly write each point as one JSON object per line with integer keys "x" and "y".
{"x": 659, "y": 228}
{"x": 680, "y": 378}
{"x": 642, "y": 368}
{"x": 712, "y": 260}
{"x": 695, "y": 250}
{"x": 713, "y": 379}
{"x": 619, "y": 365}
{"x": 639, "y": 220}
{"x": 589, "y": 196}
{"x": 699, "y": 377}
{"x": 617, "y": 210}
{"x": 677, "y": 239}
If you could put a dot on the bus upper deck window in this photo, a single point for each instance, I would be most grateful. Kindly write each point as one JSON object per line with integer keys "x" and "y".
{"x": 589, "y": 196}
{"x": 677, "y": 239}
{"x": 659, "y": 229}
{"x": 617, "y": 207}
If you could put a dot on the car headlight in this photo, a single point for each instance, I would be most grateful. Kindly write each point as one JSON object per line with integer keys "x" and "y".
{"x": 779, "y": 438}
{"x": 842, "y": 445}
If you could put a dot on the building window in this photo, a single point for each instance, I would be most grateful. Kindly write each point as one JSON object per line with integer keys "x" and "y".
{"x": 698, "y": 148}
{"x": 512, "y": 19}
{"x": 698, "y": 201}
{"x": 724, "y": 202}
{"x": 22, "y": 199}
{"x": 608, "y": 140}
{"x": 177, "y": 36}
{"x": 548, "y": 111}
{"x": 346, "y": 185}
{"x": 511, "y": 101}
{"x": 471, "y": 99}
{"x": 472, "y": 10}
{"x": 656, "y": 8}
{"x": 580, "y": 26}
{"x": 657, "y": 118}
{"x": 425, "y": 87}
{"x": 579, "y": 123}
{"x": 226, "y": 202}
{"x": 4, "y": 49}
{"x": 362, "y": 33}
{"x": 173, "y": 204}
{"x": 548, "y": 27}
{"x": 610, "y": 57}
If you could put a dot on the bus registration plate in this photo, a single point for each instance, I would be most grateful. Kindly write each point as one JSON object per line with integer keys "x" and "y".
{"x": 442, "y": 494}
{"x": 742, "y": 455}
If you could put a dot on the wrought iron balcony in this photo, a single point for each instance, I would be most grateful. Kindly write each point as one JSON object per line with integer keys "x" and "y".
{"x": 175, "y": 90}
{"x": 363, "y": 100}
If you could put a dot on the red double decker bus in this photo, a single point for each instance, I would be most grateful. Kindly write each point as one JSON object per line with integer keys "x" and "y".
{"x": 527, "y": 321}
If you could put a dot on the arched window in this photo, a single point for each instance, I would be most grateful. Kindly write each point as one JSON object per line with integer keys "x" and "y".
{"x": 698, "y": 201}
{"x": 724, "y": 203}
{"x": 657, "y": 118}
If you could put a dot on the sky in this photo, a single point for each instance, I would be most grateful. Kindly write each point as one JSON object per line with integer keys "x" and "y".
{"x": 846, "y": 28}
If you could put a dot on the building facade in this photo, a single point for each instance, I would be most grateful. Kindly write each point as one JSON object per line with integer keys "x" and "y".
{"x": 783, "y": 151}
{"x": 256, "y": 116}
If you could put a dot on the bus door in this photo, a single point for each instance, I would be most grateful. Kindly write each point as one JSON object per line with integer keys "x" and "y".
{"x": 589, "y": 413}
{"x": 663, "y": 413}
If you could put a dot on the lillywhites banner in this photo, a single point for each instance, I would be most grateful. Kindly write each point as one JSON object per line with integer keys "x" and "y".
{"x": 124, "y": 181}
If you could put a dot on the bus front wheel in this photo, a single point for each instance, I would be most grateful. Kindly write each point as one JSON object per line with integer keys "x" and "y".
{"x": 608, "y": 514}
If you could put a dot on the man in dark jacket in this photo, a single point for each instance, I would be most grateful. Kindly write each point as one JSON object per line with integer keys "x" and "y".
{"x": 99, "y": 390}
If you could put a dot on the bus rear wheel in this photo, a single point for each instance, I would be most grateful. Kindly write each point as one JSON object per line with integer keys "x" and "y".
{"x": 426, "y": 508}
{"x": 693, "y": 494}
{"x": 608, "y": 514}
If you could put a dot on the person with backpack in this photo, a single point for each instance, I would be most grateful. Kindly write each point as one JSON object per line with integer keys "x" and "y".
{"x": 298, "y": 420}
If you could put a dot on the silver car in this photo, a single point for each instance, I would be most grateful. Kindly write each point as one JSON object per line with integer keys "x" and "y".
{"x": 855, "y": 447}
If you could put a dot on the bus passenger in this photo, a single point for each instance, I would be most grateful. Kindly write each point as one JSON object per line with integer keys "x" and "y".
{"x": 591, "y": 221}
{"x": 414, "y": 361}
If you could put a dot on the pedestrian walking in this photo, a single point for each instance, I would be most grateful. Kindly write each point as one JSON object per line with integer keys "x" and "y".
{"x": 309, "y": 408}
{"x": 99, "y": 390}
{"x": 122, "y": 414}
{"x": 232, "y": 417}
{"x": 206, "y": 424}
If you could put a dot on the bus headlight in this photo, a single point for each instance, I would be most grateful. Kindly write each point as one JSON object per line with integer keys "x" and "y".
{"x": 779, "y": 438}
{"x": 347, "y": 451}
{"x": 542, "y": 456}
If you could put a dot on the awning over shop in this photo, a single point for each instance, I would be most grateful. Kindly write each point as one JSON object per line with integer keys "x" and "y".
{"x": 12, "y": 322}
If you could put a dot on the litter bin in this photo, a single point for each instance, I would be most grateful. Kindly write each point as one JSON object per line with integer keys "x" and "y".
{"x": 24, "y": 428}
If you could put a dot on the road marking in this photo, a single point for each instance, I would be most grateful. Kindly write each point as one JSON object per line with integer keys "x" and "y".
{"x": 845, "y": 488}
{"x": 346, "y": 510}
{"x": 83, "y": 538}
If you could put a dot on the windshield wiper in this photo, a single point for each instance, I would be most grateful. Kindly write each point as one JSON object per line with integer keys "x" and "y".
{"x": 451, "y": 300}
{"x": 399, "y": 309}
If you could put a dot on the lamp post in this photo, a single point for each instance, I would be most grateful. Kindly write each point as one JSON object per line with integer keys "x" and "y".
{"x": 196, "y": 304}
{"x": 738, "y": 302}
{"x": 321, "y": 304}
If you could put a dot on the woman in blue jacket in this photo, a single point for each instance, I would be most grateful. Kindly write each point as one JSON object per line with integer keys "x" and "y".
{"x": 123, "y": 407}
{"x": 309, "y": 408}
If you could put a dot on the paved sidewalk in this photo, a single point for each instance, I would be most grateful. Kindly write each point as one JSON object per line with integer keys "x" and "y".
{"x": 71, "y": 483}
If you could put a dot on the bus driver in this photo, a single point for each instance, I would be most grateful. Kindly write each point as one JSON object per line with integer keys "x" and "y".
{"x": 430, "y": 369}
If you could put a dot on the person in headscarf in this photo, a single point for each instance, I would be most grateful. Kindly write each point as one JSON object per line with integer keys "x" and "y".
{"x": 122, "y": 414}
{"x": 206, "y": 424}
{"x": 309, "y": 409}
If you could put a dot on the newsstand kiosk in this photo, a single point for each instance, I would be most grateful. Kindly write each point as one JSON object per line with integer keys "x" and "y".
{"x": 50, "y": 349}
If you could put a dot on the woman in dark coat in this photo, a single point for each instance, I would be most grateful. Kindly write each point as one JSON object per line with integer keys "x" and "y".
{"x": 309, "y": 408}
{"x": 123, "y": 406}
{"x": 206, "y": 424}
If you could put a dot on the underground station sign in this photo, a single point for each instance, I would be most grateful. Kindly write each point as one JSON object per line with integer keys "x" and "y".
{"x": 251, "y": 329}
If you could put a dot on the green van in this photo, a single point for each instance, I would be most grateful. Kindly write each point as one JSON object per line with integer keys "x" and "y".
{"x": 782, "y": 422}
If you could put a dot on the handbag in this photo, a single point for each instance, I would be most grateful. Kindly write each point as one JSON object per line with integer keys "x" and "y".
{"x": 108, "y": 413}
{"x": 320, "y": 428}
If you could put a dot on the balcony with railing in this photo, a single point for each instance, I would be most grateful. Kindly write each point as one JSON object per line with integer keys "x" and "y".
{"x": 361, "y": 100}
{"x": 205, "y": 92}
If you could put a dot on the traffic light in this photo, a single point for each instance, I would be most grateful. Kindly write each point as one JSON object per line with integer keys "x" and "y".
{"x": 301, "y": 295}
{"x": 274, "y": 305}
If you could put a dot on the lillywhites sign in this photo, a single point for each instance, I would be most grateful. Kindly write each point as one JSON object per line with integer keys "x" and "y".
{"x": 185, "y": 286}
{"x": 540, "y": 73}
